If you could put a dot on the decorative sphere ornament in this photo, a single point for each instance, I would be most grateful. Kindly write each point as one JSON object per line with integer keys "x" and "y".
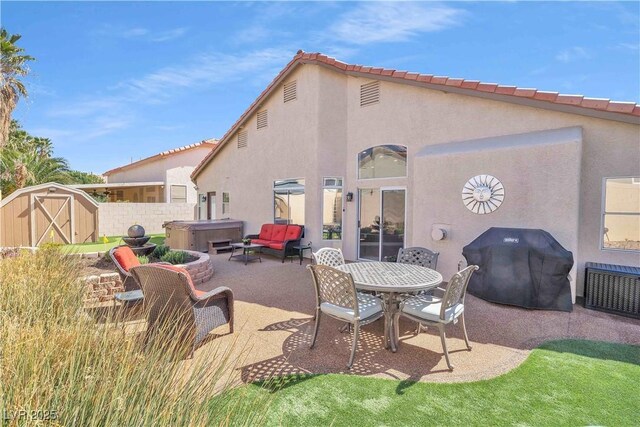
{"x": 136, "y": 231}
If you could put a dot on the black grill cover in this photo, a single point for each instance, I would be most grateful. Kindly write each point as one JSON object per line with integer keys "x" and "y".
{"x": 522, "y": 267}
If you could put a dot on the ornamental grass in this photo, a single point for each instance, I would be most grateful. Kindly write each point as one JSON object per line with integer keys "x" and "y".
{"x": 60, "y": 365}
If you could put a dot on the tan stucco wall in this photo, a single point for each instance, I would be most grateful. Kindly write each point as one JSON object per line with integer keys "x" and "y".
{"x": 286, "y": 148}
{"x": 323, "y": 134}
{"x": 541, "y": 192}
{"x": 175, "y": 169}
{"x": 416, "y": 118}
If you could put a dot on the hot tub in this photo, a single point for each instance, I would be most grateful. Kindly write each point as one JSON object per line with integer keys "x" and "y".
{"x": 195, "y": 235}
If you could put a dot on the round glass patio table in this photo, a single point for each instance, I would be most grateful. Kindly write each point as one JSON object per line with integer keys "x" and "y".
{"x": 391, "y": 280}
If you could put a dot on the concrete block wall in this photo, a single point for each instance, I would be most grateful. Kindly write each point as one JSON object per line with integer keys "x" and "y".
{"x": 116, "y": 218}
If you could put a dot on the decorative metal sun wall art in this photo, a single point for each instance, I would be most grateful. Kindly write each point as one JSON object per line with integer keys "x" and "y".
{"x": 483, "y": 194}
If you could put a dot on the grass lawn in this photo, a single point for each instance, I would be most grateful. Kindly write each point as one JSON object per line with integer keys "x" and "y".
{"x": 568, "y": 382}
{"x": 114, "y": 241}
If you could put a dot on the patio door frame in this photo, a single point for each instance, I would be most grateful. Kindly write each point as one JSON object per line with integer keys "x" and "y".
{"x": 358, "y": 219}
{"x": 211, "y": 210}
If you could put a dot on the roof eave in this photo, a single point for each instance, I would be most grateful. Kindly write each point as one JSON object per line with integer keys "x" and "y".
{"x": 159, "y": 156}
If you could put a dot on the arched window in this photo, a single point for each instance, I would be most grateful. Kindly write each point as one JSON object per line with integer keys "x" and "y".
{"x": 382, "y": 161}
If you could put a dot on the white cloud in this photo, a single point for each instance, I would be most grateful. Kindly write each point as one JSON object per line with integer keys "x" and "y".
{"x": 203, "y": 71}
{"x": 629, "y": 46}
{"x": 573, "y": 54}
{"x": 392, "y": 22}
{"x": 167, "y": 35}
{"x": 84, "y": 108}
{"x": 258, "y": 34}
{"x": 141, "y": 33}
{"x": 99, "y": 116}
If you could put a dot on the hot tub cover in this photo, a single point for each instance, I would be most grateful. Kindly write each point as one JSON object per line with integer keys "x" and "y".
{"x": 522, "y": 267}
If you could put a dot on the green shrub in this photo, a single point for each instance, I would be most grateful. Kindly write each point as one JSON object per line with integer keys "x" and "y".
{"x": 175, "y": 257}
{"x": 160, "y": 251}
{"x": 55, "y": 357}
{"x": 143, "y": 259}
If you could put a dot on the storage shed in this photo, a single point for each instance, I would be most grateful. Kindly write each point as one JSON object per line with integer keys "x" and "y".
{"x": 47, "y": 213}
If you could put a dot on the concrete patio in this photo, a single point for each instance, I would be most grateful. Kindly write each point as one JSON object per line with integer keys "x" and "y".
{"x": 275, "y": 303}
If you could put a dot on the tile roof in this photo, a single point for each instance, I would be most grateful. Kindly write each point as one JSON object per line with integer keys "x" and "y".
{"x": 629, "y": 109}
{"x": 211, "y": 143}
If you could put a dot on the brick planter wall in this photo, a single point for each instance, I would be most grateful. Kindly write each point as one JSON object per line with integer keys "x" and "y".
{"x": 201, "y": 269}
{"x": 101, "y": 288}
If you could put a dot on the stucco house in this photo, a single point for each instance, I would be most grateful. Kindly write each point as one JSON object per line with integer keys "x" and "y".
{"x": 150, "y": 191}
{"x": 372, "y": 159}
{"x": 161, "y": 178}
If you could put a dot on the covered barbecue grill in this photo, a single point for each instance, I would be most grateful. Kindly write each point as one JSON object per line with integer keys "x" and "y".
{"x": 522, "y": 267}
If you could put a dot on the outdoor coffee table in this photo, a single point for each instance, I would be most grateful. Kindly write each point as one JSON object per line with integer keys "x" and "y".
{"x": 246, "y": 256}
{"x": 391, "y": 279}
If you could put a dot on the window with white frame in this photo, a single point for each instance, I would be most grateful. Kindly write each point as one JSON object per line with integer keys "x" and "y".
{"x": 288, "y": 201}
{"x": 621, "y": 214}
{"x": 178, "y": 194}
{"x": 332, "y": 208}
{"x": 383, "y": 161}
{"x": 225, "y": 204}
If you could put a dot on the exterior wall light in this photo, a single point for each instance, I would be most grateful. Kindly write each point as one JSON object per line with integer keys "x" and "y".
{"x": 349, "y": 197}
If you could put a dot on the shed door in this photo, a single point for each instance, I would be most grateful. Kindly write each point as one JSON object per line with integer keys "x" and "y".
{"x": 51, "y": 218}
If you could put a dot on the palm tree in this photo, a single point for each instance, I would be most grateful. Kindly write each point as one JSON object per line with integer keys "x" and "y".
{"x": 13, "y": 66}
{"x": 22, "y": 169}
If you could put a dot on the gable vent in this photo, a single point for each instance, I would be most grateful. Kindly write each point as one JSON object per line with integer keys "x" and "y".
{"x": 242, "y": 139}
{"x": 369, "y": 93}
{"x": 290, "y": 91}
{"x": 262, "y": 119}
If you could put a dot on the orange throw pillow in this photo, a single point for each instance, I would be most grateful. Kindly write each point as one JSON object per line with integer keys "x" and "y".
{"x": 185, "y": 272}
{"x": 126, "y": 258}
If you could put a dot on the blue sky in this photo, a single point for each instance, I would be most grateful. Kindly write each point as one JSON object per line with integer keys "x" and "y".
{"x": 116, "y": 81}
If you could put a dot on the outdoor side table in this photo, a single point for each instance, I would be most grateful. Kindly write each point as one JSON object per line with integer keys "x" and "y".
{"x": 127, "y": 299}
{"x": 301, "y": 249}
{"x": 246, "y": 256}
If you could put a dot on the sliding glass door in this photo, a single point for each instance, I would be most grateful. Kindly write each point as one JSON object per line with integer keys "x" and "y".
{"x": 381, "y": 222}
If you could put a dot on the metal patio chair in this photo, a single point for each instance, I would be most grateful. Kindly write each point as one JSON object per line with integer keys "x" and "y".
{"x": 336, "y": 296}
{"x": 418, "y": 256}
{"x": 433, "y": 311}
{"x": 328, "y": 256}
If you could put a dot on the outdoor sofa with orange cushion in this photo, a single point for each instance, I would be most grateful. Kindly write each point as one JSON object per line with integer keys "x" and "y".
{"x": 278, "y": 239}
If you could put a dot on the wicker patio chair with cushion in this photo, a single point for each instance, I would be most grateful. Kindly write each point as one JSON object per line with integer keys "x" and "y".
{"x": 328, "y": 256}
{"x": 175, "y": 306}
{"x": 336, "y": 296}
{"x": 433, "y": 311}
{"x": 418, "y": 256}
{"x": 124, "y": 259}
